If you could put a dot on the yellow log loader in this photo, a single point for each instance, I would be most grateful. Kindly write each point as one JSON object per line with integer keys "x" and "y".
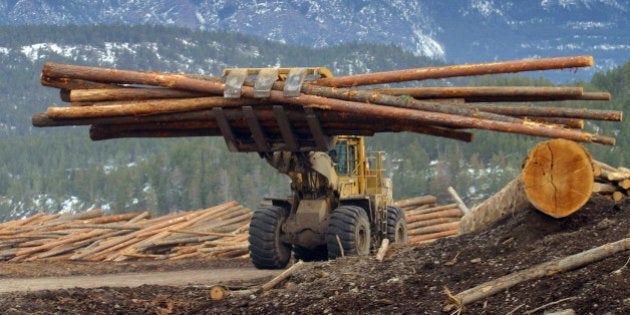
{"x": 340, "y": 202}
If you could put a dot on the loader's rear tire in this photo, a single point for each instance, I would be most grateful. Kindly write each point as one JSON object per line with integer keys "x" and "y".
{"x": 266, "y": 249}
{"x": 349, "y": 227}
{"x": 319, "y": 253}
{"x": 396, "y": 225}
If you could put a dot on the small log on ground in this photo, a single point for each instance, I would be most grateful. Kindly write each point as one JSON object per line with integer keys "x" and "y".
{"x": 545, "y": 269}
{"x": 557, "y": 179}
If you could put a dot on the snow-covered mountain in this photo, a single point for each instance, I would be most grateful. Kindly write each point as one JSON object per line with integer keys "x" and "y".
{"x": 455, "y": 31}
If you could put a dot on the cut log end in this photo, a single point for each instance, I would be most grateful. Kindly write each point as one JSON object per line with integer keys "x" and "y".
{"x": 558, "y": 177}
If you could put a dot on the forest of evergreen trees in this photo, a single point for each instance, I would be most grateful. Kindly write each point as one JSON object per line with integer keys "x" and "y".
{"x": 60, "y": 169}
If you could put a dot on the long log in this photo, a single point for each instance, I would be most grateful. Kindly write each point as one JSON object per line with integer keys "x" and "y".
{"x": 148, "y": 107}
{"x": 561, "y": 112}
{"x": 491, "y": 93}
{"x": 416, "y": 201}
{"x": 105, "y": 75}
{"x": 371, "y": 97}
{"x": 128, "y": 94}
{"x": 456, "y": 71}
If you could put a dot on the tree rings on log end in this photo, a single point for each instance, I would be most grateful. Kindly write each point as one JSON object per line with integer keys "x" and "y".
{"x": 558, "y": 177}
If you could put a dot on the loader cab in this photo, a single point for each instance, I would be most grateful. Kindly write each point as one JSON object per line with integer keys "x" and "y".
{"x": 349, "y": 158}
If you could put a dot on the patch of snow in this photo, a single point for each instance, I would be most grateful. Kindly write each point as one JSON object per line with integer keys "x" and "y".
{"x": 486, "y": 8}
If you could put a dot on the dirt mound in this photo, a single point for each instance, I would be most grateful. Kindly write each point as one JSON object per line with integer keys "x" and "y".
{"x": 411, "y": 279}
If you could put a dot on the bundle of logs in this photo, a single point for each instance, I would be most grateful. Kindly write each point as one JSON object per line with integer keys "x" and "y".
{"x": 220, "y": 231}
{"x": 613, "y": 182}
{"x": 217, "y": 232}
{"x": 428, "y": 221}
{"x": 258, "y": 115}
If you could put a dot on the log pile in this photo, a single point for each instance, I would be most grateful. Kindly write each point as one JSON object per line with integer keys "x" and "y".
{"x": 261, "y": 116}
{"x": 613, "y": 182}
{"x": 428, "y": 221}
{"x": 220, "y": 231}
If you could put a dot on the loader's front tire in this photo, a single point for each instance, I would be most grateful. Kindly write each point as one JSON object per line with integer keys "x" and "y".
{"x": 349, "y": 227}
{"x": 396, "y": 225}
{"x": 266, "y": 249}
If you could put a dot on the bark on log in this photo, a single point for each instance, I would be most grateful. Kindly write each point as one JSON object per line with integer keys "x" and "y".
{"x": 416, "y": 201}
{"x": 490, "y": 93}
{"x": 128, "y": 94}
{"x": 147, "y": 107}
{"x": 282, "y": 276}
{"x": 560, "y": 112}
{"x": 456, "y": 71}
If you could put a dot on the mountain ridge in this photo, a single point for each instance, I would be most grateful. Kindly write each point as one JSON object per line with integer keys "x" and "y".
{"x": 459, "y": 32}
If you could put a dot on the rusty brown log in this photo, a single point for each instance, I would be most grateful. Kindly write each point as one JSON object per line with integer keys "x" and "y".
{"x": 148, "y": 107}
{"x": 106, "y": 75}
{"x": 127, "y": 94}
{"x": 560, "y": 112}
{"x": 370, "y": 97}
{"x": 456, "y": 71}
{"x": 490, "y": 93}
{"x": 67, "y": 84}
{"x": 595, "y": 96}
{"x": 573, "y": 123}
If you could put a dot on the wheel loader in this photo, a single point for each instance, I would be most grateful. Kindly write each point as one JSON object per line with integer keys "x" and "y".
{"x": 340, "y": 203}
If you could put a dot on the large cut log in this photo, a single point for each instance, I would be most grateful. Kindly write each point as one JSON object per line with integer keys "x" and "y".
{"x": 557, "y": 179}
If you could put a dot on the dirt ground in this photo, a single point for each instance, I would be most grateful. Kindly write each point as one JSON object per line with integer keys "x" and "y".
{"x": 411, "y": 279}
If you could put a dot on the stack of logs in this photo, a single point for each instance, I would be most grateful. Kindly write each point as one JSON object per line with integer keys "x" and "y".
{"x": 220, "y": 231}
{"x": 124, "y": 103}
{"x": 217, "y": 232}
{"x": 610, "y": 181}
{"x": 428, "y": 221}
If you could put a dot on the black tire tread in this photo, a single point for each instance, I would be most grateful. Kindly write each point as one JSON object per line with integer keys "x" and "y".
{"x": 342, "y": 223}
{"x": 265, "y": 252}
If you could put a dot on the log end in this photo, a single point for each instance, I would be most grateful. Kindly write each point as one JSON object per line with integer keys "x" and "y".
{"x": 558, "y": 177}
